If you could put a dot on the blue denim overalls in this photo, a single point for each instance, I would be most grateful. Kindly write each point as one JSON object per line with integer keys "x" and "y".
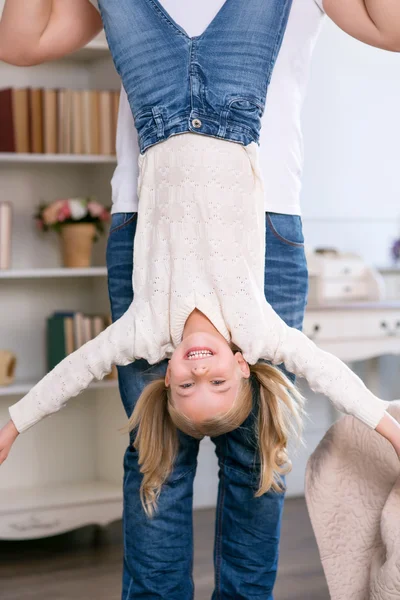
{"x": 213, "y": 84}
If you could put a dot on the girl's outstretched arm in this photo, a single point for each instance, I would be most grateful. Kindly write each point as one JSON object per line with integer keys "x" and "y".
{"x": 114, "y": 346}
{"x": 35, "y": 31}
{"x": 327, "y": 374}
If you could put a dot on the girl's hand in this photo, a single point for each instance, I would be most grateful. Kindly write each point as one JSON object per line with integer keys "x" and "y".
{"x": 390, "y": 429}
{"x": 8, "y": 435}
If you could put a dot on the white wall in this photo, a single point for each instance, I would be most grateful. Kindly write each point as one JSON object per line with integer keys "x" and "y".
{"x": 351, "y": 123}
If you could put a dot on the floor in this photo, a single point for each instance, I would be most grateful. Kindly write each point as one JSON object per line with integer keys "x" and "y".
{"x": 60, "y": 568}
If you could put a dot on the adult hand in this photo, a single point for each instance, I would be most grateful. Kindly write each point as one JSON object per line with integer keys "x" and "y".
{"x": 8, "y": 435}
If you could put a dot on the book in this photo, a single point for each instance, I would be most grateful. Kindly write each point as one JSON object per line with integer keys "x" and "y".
{"x": 77, "y": 134}
{"x": 98, "y": 325}
{"x": 77, "y": 325}
{"x": 115, "y": 113}
{"x": 78, "y": 330}
{"x": 69, "y": 335}
{"x": 5, "y": 234}
{"x": 64, "y": 127}
{"x": 87, "y": 329}
{"x": 106, "y": 134}
{"x": 55, "y": 341}
{"x": 50, "y": 121}
{"x": 35, "y": 98}
{"x": 94, "y": 122}
{"x": 14, "y": 120}
{"x": 21, "y": 120}
{"x": 7, "y": 138}
{"x": 86, "y": 122}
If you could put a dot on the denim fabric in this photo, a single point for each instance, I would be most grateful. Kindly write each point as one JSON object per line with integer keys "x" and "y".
{"x": 158, "y": 553}
{"x": 214, "y": 84}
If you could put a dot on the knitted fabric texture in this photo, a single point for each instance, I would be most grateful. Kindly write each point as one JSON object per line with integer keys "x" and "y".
{"x": 200, "y": 243}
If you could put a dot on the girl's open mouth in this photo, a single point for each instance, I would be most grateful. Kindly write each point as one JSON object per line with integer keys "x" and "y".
{"x": 197, "y": 353}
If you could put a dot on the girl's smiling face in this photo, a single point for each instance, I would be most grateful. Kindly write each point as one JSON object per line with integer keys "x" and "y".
{"x": 204, "y": 376}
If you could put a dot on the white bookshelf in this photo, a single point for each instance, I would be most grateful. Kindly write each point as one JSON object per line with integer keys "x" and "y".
{"x": 52, "y": 273}
{"x": 96, "y": 50}
{"x": 65, "y": 472}
{"x": 45, "y": 159}
{"x": 22, "y": 387}
{"x": 40, "y": 512}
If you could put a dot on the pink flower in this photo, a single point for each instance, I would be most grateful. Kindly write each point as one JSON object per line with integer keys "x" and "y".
{"x": 50, "y": 214}
{"x": 64, "y": 213}
{"x": 39, "y": 224}
{"x": 95, "y": 209}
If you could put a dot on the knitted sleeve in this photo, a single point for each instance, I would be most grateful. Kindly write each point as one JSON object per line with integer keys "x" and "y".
{"x": 114, "y": 346}
{"x": 324, "y": 372}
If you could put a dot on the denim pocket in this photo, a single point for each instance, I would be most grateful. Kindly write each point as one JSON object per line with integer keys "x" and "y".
{"x": 287, "y": 228}
{"x": 120, "y": 220}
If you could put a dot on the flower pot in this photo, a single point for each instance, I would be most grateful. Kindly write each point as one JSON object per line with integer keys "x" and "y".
{"x": 76, "y": 244}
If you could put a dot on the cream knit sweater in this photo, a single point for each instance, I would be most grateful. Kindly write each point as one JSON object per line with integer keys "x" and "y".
{"x": 200, "y": 243}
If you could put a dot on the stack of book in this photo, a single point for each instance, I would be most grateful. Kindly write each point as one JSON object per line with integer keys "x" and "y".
{"x": 46, "y": 121}
{"x": 5, "y": 235}
{"x": 68, "y": 331}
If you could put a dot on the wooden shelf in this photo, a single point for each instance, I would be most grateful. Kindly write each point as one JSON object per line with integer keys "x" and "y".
{"x": 52, "y": 273}
{"x": 23, "y": 387}
{"x": 75, "y": 159}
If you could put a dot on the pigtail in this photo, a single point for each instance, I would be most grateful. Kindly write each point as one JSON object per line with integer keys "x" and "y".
{"x": 156, "y": 441}
{"x": 280, "y": 417}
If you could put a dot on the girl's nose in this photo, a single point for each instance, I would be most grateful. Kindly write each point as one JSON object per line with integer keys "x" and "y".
{"x": 199, "y": 369}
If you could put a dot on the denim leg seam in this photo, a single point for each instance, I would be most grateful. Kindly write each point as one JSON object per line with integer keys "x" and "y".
{"x": 218, "y": 540}
{"x": 129, "y": 589}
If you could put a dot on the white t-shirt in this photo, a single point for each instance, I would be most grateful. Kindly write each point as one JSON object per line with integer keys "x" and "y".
{"x": 281, "y": 144}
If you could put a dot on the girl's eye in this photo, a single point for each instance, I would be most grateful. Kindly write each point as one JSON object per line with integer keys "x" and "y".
{"x": 218, "y": 381}
{"x": 185, "y": 386}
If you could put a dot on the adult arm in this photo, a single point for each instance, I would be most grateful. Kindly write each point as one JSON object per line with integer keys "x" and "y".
{"x": 114, "y": 346}
{"x": 375, "y": 22}
{"x": 35, "y": 31}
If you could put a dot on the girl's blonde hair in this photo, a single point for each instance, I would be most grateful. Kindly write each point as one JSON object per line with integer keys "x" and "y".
{"x": 156, "y": 421}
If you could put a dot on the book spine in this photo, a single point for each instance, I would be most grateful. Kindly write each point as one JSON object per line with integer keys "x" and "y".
{"x": 115, "y": 113}
{"x": 106, "y": 135}
{"x": 21, "y": 120}
{"x": 86, "y": 123}
{"x": 69, "y": 335}
{"x": 7, "y": 134}
{"x": 77, "y": 133}
{"x": 98, "y": 325}
{"x": 94, "y": 122}
{"x": 56, "y": 347}
{"x": 50, "y": 121}
{"x": 36, "y": 120}
{"x": 61, "y": 124}
{"x": 5, "y": 235}
{"x": 78, "y": 330}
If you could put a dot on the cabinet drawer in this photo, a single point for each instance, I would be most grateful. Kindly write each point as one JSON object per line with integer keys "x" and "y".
{"x": 351, "y": 324}
{"x": 338, "y": 289}
{"x": 342, "y": 268}
{"x": 343, "y": 288}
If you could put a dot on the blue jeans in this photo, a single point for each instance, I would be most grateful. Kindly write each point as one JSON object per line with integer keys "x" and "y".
{"x": 158, "y": 552}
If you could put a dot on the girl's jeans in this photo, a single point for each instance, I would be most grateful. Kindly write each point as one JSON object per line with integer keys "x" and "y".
{"x": 158, "y": 552}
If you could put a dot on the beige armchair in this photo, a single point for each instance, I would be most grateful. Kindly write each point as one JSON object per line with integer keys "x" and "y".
{"x": 353, "y": 499}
